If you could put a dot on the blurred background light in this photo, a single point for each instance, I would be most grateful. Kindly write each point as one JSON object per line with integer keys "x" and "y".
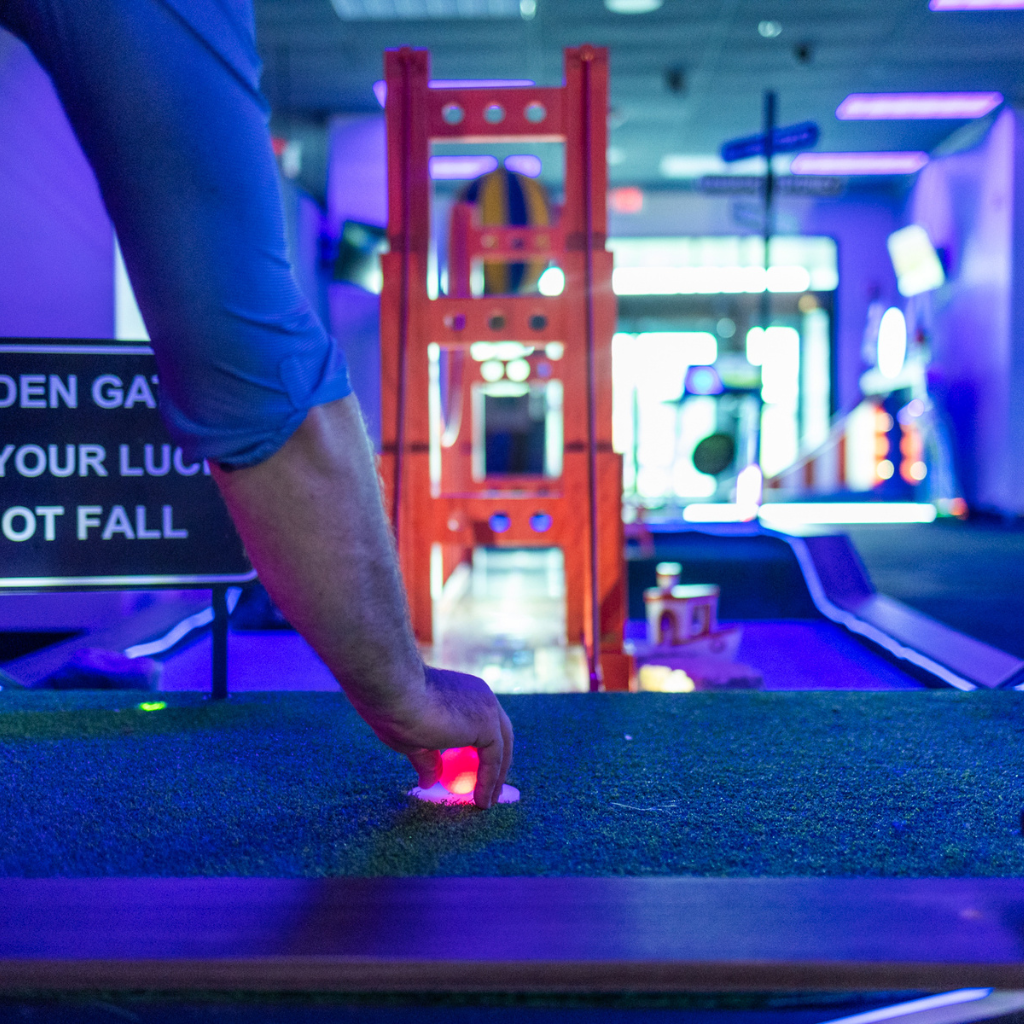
{"x": 695, "y": 348}
{"x": 626, "y": 199}
{"x": 551, "y": 282}
{"x": 524, "y": 163}
{"x": 703, "y": 380}
{"x": 785, "y": 516}
{"x": 976, "y": 5}
{"x": 708, "y": 280}
{"x": 632, "y": 6}
{"x": 892, "y": 343}
{"x": 917, "y": 264}
{"x": 380, "y": 87}
{"x": 859, "y": 163}
{"x": 461, "y": 168}
{"x": 898, "y": 106}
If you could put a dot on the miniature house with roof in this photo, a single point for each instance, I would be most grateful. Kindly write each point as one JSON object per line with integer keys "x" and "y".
{"x": 685, "y": 617}
{"x": 681, "y": 613}
{"x": 686, "y": 649}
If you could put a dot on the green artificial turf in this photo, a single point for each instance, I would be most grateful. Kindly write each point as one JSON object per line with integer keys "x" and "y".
{"x": 897, "y": 783}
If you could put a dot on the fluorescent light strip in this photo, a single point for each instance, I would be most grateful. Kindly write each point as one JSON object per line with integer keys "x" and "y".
{"x": 907, "y": 106}
{"x": 460, "y": 168}
{"x": 480, "y": 83}
{"x": 786, "y": 515}
{"x": 708, "y": 280}
{"x": 976, "y": 5}
{"x": 380, "y": 87}
{"x": 718, "y": 512}
{"x": 524, "y": 163}
{"x": 845, "y": 164}
{"x": 962, "y": 995}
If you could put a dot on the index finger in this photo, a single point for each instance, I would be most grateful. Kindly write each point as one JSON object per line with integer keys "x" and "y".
{"x": 508, "y": 741}
{"x": 489, "y": 772}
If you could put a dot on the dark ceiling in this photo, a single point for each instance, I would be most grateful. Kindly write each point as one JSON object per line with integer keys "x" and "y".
{"x": 684, "y": 78}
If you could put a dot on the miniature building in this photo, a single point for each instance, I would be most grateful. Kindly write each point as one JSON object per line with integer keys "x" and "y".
{"x": 679, "y": 614}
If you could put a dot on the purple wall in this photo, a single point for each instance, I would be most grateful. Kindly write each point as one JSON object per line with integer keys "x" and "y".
{"x": 56, "y": 242}
{"x": 356, "y": 171}
{"x": 970, "y": 204}
{"x": 357, "y": 190}
{"x": 303, "y": 225}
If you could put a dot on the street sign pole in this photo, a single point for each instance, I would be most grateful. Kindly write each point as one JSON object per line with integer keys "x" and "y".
{"x": 769, "y": 197}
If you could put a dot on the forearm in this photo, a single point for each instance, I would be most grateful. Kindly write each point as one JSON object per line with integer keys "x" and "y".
{"x": 311, "y": 520}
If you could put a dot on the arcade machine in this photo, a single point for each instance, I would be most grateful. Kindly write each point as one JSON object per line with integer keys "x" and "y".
{"x": 451, "y": 495}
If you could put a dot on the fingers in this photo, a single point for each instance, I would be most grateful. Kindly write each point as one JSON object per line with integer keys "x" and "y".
{"x": 428, "y": 766}
{"x": 507, "y": 739}
{"x": 495, "y": 758}
{"x": 488, "y": 773}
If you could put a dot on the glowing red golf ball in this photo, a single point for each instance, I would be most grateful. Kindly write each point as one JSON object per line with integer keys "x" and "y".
{"x": 458, "y": 769}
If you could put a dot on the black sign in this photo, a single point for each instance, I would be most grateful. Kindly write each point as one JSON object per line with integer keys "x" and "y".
{"x": 92, "y": 490}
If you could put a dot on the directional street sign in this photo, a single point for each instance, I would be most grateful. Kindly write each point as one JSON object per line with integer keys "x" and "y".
{"x": 791, "y": 185}
{"x": 784, "y": 140}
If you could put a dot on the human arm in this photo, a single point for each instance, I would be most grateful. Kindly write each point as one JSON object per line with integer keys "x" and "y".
{"x": 313, "y": 524}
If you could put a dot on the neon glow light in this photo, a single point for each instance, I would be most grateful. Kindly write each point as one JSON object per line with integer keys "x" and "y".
{"x": 181, "y": 630}
{"x": 892, "y": 343}
{"x": 459, "y": 766}
{"x": 925, "y": 106}
{"x": 719, "y": 512}
{"x": 552, "y": 282}
{"x": 859, "y": 163}
{"x": 459, "y": 168}
{"x": 380, "y": 87}
{"x": 697, "y": 348}
{"x": 524, "y": 163}
{"x": 785, "y": 516}
{"x": 961, "y": 995}
{"x": 976, "y": 5}
{"x": 708, "y": 280}
{"x": 749, "y": 486}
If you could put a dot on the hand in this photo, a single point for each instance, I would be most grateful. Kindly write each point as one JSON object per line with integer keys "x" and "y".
{"x": 452, "y": 710}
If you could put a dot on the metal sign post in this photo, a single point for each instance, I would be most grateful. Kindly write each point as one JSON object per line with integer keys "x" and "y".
{"x": 771, "y": 140}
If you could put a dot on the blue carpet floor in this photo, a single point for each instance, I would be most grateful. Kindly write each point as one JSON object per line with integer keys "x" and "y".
{"x": 925, "y": 783}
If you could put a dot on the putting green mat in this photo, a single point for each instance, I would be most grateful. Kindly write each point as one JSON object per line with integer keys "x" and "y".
{"x": 891, "y": 783}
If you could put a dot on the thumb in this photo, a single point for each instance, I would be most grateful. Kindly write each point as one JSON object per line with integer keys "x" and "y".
{"x": 427, "y": 764}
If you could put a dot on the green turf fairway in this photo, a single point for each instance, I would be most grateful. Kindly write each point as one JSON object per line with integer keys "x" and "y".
{"x": 911, "y": 784}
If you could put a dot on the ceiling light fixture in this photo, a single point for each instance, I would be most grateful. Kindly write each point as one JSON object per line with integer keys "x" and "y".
{"x": 632, "y": 6}
{"x": 380, "y": 87}
{"x": 696, "y": 165}
{"x": 906, "y": 106}
{"x": 859, "y": 163}
{"x": 401, "y": 10}
{"x": 976, "y": 5}
{"x": 769, "y": 29}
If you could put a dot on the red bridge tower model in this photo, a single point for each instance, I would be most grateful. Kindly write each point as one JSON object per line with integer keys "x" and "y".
{"x": 579, "y": 511}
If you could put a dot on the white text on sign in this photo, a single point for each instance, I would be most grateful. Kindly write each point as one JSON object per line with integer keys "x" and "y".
{"x": 50, "y": 391}
{"x": 33, "y": 460}
{"x": 20, "y": 523}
